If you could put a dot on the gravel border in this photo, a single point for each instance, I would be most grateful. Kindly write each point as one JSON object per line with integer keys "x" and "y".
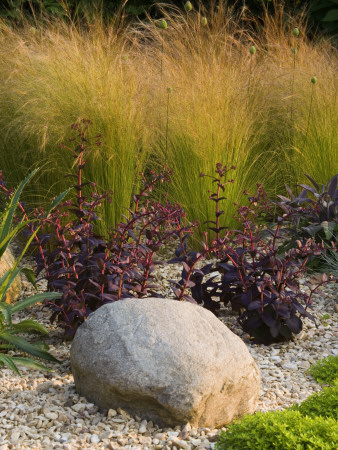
{"x": 41, "y": 410}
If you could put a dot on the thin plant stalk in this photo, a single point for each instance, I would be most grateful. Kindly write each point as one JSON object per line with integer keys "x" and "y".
{"x": 167, "y": 121}
{"x": 313, "y": 82}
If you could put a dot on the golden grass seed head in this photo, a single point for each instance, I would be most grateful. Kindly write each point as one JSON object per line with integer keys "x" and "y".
{"x": 188, "y": 6}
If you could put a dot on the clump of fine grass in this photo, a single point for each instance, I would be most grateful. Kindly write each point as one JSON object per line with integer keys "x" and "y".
{"x": 307, "y": 141}
{"x": 63, "y": 72}
{"x": 216, "y": 114}
{"x": 226, "y": 105}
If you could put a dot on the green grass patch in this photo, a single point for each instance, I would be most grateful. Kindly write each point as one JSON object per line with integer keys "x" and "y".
{"x": 311, "y": 425}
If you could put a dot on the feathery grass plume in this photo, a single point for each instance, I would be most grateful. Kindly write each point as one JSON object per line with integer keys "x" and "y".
{"x": 316, "y": 55}
{"x": 210, "y": 120}
{"x": 64, "y": 71}
{"x": 50, "y": 79}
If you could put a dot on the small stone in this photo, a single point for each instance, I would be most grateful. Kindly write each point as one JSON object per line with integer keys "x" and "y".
{"x": 111, "y": 413}
{"x": 79, "y": 407}
{"x": 289, "y": 366}
{"x": 160, "y": 436}
{"x": 124, "y": 414}
{"x": 145, "y": 440}
{"x": 173, "y": 433}
{"x": 304, "y": 364}
{"x": 179, "y": 443}
{"x": 106, "y": 435}
{"x": 15, "y": 437}
{"x": 336, "y": 307}
{"x": 143, "y": 427}
{"x": 51, "y": 415}
{"x": 113, "y": 445}
{"x": 94, "y": 439}
{"x": 276, "y": 359}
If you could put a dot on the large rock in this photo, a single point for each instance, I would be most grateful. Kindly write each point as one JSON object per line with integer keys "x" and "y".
{"x": 166, "y": 361}
{"x": 7, "y": 262}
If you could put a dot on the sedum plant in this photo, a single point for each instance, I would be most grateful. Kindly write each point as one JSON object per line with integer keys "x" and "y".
{"x": 91, "y": 270}
{"x": 313, "y": 214}
{"x": 314, "y": 210}
{"x": 11, "y": 332}
{"x": 250, "y": 274}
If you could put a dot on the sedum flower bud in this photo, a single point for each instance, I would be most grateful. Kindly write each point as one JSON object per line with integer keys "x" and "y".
{"x": 295, "y": 32}
{"x": 188, "y": 6}
{"x": 204, "y": 21}
{"x": 124, "y": 58}
{"x": 313, "y": 80}
{"x": 294, "y": 51}
{"x": 252, "y": 50}
{"x": 163, "y": 24}
{"x": 169, "y": 90}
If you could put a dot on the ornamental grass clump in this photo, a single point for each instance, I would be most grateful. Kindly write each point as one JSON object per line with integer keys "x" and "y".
{"x": 210, "y": 115}
{"x": 62, "y": 72}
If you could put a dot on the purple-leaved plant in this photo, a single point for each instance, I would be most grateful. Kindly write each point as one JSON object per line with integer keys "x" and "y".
{"x": 261, "y": 285}
{"x": 91, "y": 270}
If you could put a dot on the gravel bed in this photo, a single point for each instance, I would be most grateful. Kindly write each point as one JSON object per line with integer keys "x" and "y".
{"x": 41, "y": 410}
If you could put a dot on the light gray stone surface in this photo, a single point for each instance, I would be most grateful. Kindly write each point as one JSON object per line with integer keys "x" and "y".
{"x": 7, "y": 262}
{"x": 170, "y": 362}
